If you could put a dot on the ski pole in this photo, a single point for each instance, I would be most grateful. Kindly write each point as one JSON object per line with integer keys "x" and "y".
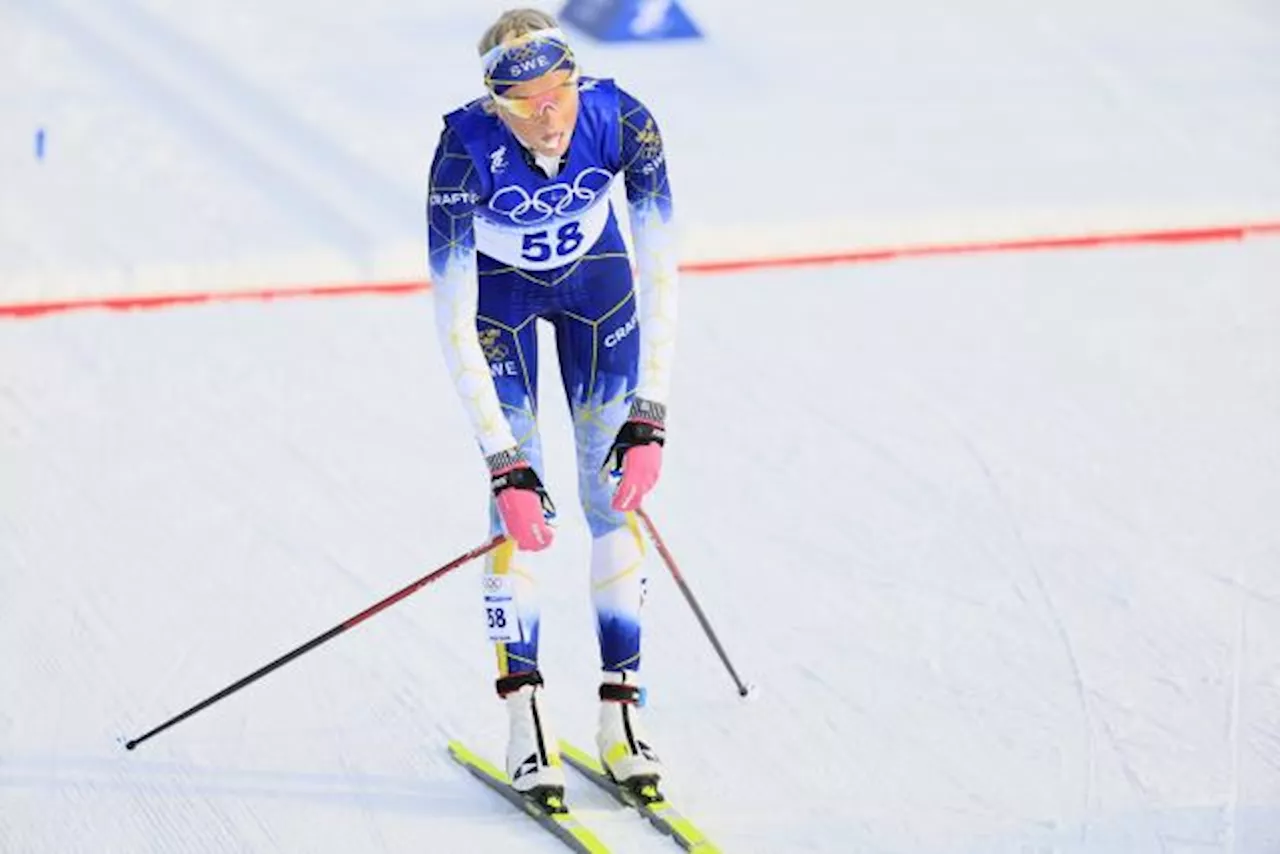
{"x": 743, "y": 690}
{"x": 319, "y": 639}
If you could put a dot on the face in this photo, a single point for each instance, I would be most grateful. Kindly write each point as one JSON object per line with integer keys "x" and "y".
{"x": 542, "y": 112}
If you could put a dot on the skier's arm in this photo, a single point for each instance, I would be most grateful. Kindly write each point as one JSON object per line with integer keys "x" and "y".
{"x": 452, "y": 196}
{"x": 654, "y": 236}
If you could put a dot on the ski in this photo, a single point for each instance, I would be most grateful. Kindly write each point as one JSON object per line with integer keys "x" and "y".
{"x": 553, "y": 815}
{"x": 648, "y": 801}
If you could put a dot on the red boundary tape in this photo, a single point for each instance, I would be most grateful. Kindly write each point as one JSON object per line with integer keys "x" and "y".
{"x": 861, "y": 256}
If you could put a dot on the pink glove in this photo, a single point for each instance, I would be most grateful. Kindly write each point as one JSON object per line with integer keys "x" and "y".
{"x": 523, "y": 503}
{"x": 640, "y": 469}
{"x": 636, "y": 455}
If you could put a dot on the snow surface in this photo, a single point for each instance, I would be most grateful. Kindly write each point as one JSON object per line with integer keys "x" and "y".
{"x": 995, "y": 535}
{"x": 213, "y": 145}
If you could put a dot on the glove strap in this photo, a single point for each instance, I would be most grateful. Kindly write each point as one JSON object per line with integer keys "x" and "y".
{"x": 520, "y": 477}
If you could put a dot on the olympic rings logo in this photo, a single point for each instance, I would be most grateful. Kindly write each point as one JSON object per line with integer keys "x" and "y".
{"x": 562, "y": 199}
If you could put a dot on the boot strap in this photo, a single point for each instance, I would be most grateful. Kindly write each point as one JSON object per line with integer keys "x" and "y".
{"x": 616, "y": 693}
{"x": 510, "y": 684}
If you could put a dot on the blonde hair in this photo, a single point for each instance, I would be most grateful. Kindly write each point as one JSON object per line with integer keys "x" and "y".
{"x": 514, "y": 23}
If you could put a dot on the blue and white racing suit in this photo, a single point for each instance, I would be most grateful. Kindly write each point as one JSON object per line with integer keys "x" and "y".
{"x": 510, "y": 244}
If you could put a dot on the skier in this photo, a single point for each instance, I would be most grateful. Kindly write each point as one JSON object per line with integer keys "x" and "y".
{"x": 521, "y": 228}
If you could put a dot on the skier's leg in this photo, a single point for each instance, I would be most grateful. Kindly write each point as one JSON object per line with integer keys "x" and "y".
{"x": 598, "y": 347}
{"x": 510, "y": 582}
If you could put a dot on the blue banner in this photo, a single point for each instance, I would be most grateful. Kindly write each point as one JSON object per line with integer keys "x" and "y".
{"x": 630, "y": 20}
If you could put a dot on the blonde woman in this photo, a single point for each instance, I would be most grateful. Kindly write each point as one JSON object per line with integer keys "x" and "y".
{"x": 521, "y": 229}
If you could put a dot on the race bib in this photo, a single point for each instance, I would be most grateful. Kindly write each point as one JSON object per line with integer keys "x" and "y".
{"x": 547, "y": 236}
{"x": 500, "y": 609}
